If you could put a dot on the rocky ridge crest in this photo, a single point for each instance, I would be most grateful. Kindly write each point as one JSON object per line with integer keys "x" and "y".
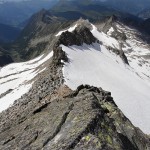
{"x": 52, "y": 116}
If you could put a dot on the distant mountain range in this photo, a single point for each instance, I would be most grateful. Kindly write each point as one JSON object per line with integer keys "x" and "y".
{"x": 63, "y": 11}
{"x": 92, "y": 10}
{"x": 31, "y": 41}
{"x": 130, "y": 6}
{"x": 17, "y": 12}
{"x": 133, "y": 7}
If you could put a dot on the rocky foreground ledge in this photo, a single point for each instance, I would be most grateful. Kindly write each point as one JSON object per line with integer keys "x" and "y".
{"x": 84, "y": 119}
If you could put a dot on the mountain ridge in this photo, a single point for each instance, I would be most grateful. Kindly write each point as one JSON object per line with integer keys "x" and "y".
{"x": 74, "y": 83}
{"x": 16, "y": 13}
{"x": 29, "y": 44}
{"x": 49, "y": 114}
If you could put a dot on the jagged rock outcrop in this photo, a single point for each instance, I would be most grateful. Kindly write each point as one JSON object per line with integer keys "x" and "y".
{"x": 59, "y": 55}
{"x": 79, "y": 36}
{"x": 84, "y": 119}
{"x": 109, "y": 23}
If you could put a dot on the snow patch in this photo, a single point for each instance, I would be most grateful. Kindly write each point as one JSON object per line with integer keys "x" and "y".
{"x": 111, "y": 30}
{"x": 104, "y": 38}
{"x": 135, "y": 48}
{"x": 18, "y": 76}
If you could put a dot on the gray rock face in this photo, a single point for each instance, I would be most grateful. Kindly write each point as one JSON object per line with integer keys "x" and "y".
{"x": 59, "y": 55}
{"x": 84, "y": 119}
{"x": 79, "y": 36}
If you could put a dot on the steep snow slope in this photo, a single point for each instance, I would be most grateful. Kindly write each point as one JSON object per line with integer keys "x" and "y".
{"x": 96, "y": 65}
{"x": 137, "y": 51}
{"x": 16, "y": 79}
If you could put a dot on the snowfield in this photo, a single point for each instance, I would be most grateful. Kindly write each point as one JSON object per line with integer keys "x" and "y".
{"x": 136, "y": 51}
{"x": 17, "y": 77}
{"x": 96, "y": 65}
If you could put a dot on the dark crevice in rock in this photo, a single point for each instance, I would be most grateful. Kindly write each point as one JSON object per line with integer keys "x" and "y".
{"x": 64, "y": 117}
{"x": 126, "y": 143}
{"x": 8, "y": 140}
{"x": 40, "y": 108}
{"x": 21, "y": 120}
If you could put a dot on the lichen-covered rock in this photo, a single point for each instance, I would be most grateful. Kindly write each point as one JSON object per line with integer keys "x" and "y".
{"x": 82, "y": 119}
